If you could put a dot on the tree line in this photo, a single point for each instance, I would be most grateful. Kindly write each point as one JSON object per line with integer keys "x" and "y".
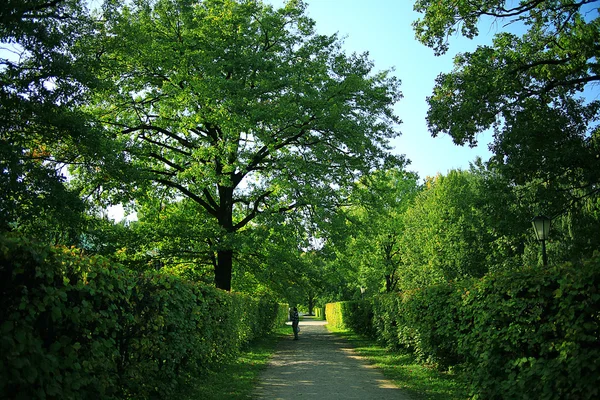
{"x": 256, "y": 152}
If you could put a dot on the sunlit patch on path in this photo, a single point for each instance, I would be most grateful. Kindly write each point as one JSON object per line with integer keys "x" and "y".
{"x": 321, "y": 365}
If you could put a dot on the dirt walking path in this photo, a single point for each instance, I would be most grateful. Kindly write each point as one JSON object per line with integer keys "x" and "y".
{"x": 321, "y": 366}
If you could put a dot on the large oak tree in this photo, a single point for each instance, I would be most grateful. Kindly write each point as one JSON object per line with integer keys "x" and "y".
{"x": 240, "y": 107}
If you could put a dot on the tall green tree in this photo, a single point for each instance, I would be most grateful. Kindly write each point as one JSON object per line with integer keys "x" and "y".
{"x": 239, "y": 107}
{"x": 527, "y": 87}
{"x": 462, "y": 225}
{"x": 44, "y": 76}
{"x": 375, "y": 226}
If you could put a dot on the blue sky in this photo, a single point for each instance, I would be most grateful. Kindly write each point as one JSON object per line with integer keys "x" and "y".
{"x": 383, "y": 28}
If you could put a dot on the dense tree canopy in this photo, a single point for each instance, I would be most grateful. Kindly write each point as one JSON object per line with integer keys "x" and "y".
{"x": 373, "y": 227}
{"x": 528, "y": 87}
{"x": 239, "y": 107}
{"x": 43, "y": 76}
{"x": 243, "y": 138}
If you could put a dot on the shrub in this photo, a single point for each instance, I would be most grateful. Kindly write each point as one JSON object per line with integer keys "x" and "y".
{"x": 60, "y": 314}
{"x": 533, "y": 333}
{"x": 320, "y": 313}
{"x": 355, "y": 315}
{"x": 167, "y": 338}
{"x": 386, "y": 312}
{"x": 282, "y": 315}
{"x": 75, "y": 327}
{"x": 430, "y": 322}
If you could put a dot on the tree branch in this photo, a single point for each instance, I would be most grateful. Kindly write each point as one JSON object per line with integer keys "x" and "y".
{"x": 210, "y": 198}
{"x": 166, "y": 161}
{"x": 182, "y": 141}
{"x": 254, "y": 211}
{"x": 264, "y": 151}
{"x": 189, "y": 194}
{"x": 164, "y": 145}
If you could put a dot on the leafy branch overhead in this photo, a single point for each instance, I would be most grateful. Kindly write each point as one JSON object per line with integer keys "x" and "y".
{"x": 529, "y": 87}
{"x": 45, "y": 77}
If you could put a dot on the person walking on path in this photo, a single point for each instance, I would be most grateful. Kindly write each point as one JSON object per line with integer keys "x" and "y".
{"x": 295, "y": 322}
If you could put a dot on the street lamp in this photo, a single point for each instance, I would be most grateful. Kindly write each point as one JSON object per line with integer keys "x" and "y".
{"x": 541, "y": 225}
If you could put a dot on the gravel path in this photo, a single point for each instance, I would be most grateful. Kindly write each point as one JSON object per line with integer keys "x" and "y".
{"x": 321, "y": 366}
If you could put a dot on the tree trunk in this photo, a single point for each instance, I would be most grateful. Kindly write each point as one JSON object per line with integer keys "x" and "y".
{"x": 223, "y": 269}
{"x": 225, "y": 256}
{"x": 389, "y": 284}
{"x": 311, "y": 304}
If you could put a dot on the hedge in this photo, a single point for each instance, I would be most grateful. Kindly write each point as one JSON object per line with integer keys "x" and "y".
{"x": 354, "y": 315}
{"x": 76, "y": 327}
{"x": 529, "y": 334}
{"x": 423, "y": 321}
{"x": 534, "y": 334}
{"x": 320, "y": 313}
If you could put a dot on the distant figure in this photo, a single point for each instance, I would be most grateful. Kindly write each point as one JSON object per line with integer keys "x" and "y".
{"x": 295, "y": 321}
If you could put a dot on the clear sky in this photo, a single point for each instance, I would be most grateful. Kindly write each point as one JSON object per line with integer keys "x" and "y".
{"x": 383, "y": 28}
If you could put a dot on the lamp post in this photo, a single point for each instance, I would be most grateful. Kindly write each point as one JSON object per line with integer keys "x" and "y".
{"x": 541, "y": 225}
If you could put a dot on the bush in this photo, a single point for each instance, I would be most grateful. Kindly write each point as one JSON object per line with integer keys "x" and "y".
{"x": 75, "y": 327}
{"x": 434, "y": 314}
{"x": 387, "y": 314}
{"x": 533, "y": 334}
{"x": 257, "y": 317}
{"x": 426, "y": 322}
{"x": 355, "y": 315}
{"x": 320, "y": 313}
{"x": 60, "y": 314}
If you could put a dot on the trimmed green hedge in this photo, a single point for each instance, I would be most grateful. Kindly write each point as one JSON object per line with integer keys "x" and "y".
{"x": 534, "y": 334}
{"x": 75, "y": 327}
{"x": 529, "y": 334}
{"x": 320, "y": 313}
{"x": 355, "y": 315}
{"x": 423, "y": 321}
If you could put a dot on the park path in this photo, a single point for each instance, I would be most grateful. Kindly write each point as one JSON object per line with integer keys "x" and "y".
{"x": 321, "y": 366}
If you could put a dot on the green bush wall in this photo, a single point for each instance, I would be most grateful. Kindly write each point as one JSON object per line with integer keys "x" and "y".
{"x": 423, "y": 321}
{"x": 355, "y": 315}
{"x": 534, "y": 334}
{"x": 320, "y": 313}
{"x": 75, "y": 327}
{"x": 529, "y": 334}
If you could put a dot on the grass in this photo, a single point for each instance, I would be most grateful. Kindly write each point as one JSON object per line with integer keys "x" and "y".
{"x": 237, "y": 379}
{"x": 419, "y": 381}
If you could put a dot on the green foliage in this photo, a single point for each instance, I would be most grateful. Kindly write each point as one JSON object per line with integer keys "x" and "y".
{"x": 386, "y": 312}
{"x": 76, "y": 327}
{"x": 523, "y": 334}
{"x": 529, "y": 87}
{"x": 354, "y": 315}
{"x": 320, "y": 313}
{"x": 422, "y": 321}
{"x": 238, "y": 107}
{"x": 450, "y": 231}
{"x": 44, "y": 79}
{"x": 370, "y": 238}
{"x": 59, "y": 314}
{"x": 534, "y": 334}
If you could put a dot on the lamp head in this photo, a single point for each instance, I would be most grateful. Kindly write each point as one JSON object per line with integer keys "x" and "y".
{"x": 541, "y": 226}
